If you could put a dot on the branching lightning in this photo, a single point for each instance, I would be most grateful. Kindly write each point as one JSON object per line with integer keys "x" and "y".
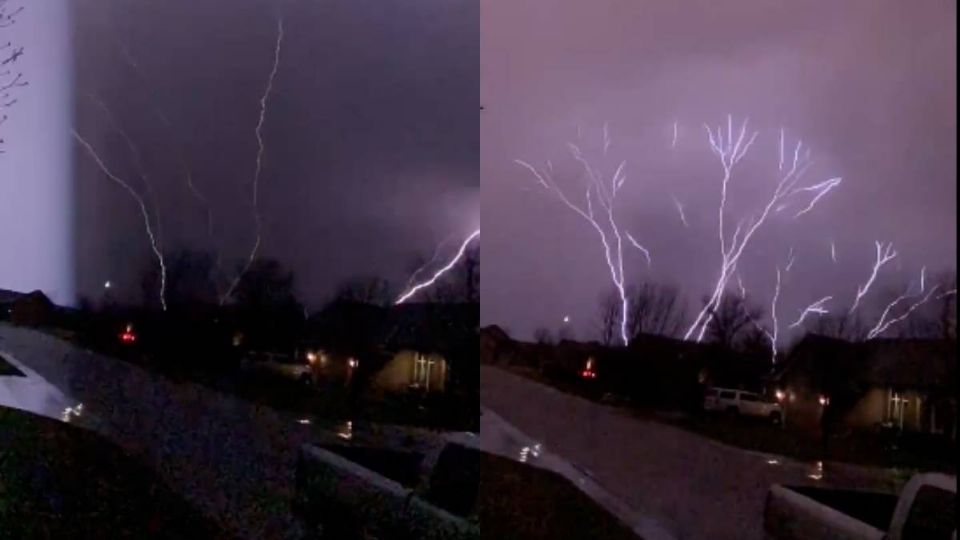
{"x": 641, "y": 249}
{"x": 439, "y": 273}
{"x": 264, "y": 101}
{"x": 602, "y": 192}
{"x": 154, "y": 244}
{"x": 885, "y": 254}
{"x": 730, "y": 150}
{"x": 815, "y": 308}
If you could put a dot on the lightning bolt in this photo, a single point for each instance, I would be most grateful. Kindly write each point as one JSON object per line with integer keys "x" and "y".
{"x": 154, "y": 244}
{"x": 774, "y": 336}
{"x": 679, "y": 207}
{"x": 604, "y": 221}
{"x": 137, "y": 161}
{"x": 439, "y": 273}
{"x": 673, "y": 143}
{"x": 885, "y": 254}
{"x": 730, "y": 151}
{"x": 815, "y": 308}
{"x": 264, "y": 100}
{"x": 833, "y": 252}
{"x": 641, "y": 249}
{"x": 883, "y": 324}
{"x": 433, "y": 259}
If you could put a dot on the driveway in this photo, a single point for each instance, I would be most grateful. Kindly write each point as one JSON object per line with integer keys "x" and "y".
{"x": 694, "y": 487}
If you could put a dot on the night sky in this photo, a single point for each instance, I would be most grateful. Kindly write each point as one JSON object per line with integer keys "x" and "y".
{"x": 868, "y": 86}
{"x": 371, "y": 135}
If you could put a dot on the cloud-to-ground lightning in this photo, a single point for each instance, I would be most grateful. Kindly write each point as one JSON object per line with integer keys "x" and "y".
{"x": 815, "y": 308}
{"x": 833, "y": 251}
{"x": 885, "y": 254}
{"x": 439, "y": 273}
{"x": 603, "y": 192}
{"x": 673, "y": 143}
{"x": 264, "y": 101}
{"x": 154, "y": 245}
{"x": 730, "y": 150}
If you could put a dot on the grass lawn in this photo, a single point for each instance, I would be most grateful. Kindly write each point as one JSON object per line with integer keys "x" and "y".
{"x": 520, "y": 501}
{"x": 60, "y": 481}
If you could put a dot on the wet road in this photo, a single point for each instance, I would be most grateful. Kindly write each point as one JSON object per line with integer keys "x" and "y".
{"x": 696, "y": 488}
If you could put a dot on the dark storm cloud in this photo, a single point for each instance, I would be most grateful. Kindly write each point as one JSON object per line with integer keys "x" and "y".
{"x": 868, "y": 86}
{"x": 371, "y": 135}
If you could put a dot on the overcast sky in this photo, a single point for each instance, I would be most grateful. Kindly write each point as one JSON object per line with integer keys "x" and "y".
{"x": 869, "y": 86}
{"x": 371, "y": 135}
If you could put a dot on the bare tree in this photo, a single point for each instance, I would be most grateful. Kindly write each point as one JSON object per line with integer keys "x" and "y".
{"x": 543, "y": 336}
{"x": 367, "y": 290}
{"x": 730, "y": 320}
{"x": 840, "y": 325}
{"x": 656, "y": 309}
{"x": 609, "y": 317}
{"x": 10, "y": 79}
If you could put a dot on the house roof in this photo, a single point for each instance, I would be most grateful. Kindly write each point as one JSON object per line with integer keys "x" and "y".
{"x": 7, "y": 297}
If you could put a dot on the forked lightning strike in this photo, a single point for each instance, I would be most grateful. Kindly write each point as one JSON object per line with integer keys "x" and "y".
{"x": 154, "y": 245}
{"x": 602, "y": 192}
{"x": 439, "y": 273}
{"x": 885, "y": 254}
{"x": 730, "y": 150}
{"x": 815, "y": 308}
{"x": 264, "y": 101}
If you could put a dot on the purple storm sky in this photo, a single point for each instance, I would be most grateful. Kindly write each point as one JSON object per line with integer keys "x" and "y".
{"x": 868, "y": 85}
{"x": 371, "y": 135}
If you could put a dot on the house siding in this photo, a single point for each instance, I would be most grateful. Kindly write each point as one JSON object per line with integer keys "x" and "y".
{"x": 399, "y": 373}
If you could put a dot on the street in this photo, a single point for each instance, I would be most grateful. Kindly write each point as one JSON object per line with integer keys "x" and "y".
{"x": 694, "y": 487}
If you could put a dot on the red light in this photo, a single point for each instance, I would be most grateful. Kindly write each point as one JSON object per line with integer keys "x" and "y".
{"x": 128, "y": 337}
{"x": 588, "y": 374}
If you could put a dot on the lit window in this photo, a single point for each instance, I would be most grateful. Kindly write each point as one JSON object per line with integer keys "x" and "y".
{"x": 421, "y": 370}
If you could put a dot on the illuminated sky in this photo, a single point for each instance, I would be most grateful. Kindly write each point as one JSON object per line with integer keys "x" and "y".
{"x": 869, "y": 86}
{"x": 371, "y": 133}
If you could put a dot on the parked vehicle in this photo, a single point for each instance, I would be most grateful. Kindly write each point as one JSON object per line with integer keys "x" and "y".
{"x": 733, "y": 401}
{"x": 294, "y": 367}
{"x": 925, "y": 509}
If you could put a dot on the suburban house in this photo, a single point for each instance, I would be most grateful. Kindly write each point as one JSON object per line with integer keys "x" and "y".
{"x": 425, "y": 348}
{"x": 498, "y": 348}
{"x": 903, "y": 384}
{"x": 26, "y": 309}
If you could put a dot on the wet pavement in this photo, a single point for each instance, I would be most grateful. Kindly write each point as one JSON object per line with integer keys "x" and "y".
{"x": 685, "y": 483}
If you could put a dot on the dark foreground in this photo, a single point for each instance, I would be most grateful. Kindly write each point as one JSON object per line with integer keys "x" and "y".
{"x": 61, "y": 481}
